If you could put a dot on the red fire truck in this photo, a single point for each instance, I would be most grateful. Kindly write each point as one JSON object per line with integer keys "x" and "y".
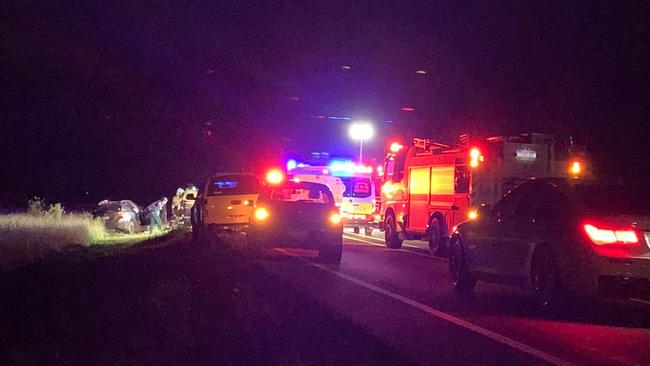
{"x": 430, "y": 187}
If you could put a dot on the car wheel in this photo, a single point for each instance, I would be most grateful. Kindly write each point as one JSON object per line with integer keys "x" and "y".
{"x": 544, "y": 277}
{"x": 390, "y": 232}
{"x": 435, "y": 235}
{"x": 331, "y": 253}
{"x": 356, "y": 230}
{"x": 130, "y": 227}
{"x": 368, "y": 231}
{"x": 462, "y": 278}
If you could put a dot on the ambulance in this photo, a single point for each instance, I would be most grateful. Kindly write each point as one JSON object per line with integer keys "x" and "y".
{"x": 429, "y": 187}
{"x": 358, "y": 206}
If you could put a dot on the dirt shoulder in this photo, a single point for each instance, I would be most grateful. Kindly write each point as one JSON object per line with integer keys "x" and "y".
{"x": 165, "y": 302}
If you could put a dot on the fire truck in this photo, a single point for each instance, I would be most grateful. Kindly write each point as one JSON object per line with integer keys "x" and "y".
{"x": 429, "y": 187}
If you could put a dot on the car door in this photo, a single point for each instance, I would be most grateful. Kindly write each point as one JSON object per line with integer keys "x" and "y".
{"x": 553, "y": 221}
{"x": 485, "y": 234}
{"x": 514, "y": 237}
{"x": 501, "y": 240}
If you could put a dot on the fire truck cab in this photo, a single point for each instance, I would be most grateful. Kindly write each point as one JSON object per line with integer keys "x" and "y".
{"x": 430, "y": 187}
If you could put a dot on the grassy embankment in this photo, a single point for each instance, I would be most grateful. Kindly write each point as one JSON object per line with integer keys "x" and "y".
{"x": 25, "y": 237}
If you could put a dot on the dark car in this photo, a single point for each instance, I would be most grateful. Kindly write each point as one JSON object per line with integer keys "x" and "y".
{"x": 559, "y": 237}
{"x": 121, "y": 215}
{"x": 298, "y": 215}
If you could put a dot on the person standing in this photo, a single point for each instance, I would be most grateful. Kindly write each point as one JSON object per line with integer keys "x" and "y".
{"x": 154, "y": 211}
{"x": 177, "y": 200}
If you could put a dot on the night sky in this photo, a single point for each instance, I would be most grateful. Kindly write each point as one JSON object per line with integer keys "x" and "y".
{"x": 118, "y": 100}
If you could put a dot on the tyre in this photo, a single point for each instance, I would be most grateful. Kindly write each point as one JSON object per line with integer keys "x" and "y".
{"x": 130, "y": 227}
{"x": 462, "y": 278}
{"x": 356, "y": 230}
{"x": 544, "y": 277}
{"x": 331, "y": 253}
{"x": 390, "y": 232}
{"x": 435, "y": 235}
{"x": 368, "y": 231}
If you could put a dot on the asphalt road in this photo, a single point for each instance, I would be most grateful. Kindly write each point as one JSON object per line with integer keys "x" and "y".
{"x": 205, "y": 302}
{"x": 404, "y": 297}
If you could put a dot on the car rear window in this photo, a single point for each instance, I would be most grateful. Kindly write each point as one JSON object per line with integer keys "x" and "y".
{"x": 617, "y": 200}
{"x": 108, "y": 207}
{"x": 357, "y": 187}
{"x": 302, "y": 193}
{"x": 233, "y": 184}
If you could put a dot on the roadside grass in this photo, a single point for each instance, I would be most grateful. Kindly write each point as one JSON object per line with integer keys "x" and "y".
{"x": 25, "y": 237}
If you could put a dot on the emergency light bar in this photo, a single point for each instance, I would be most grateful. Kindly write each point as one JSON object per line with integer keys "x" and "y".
{"x": 348, "y": 168}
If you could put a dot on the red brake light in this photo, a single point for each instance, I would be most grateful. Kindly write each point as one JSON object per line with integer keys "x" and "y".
{"x": 609, "y": 236}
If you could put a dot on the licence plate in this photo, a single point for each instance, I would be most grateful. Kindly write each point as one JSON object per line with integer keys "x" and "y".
{"x": 298, "y": 233}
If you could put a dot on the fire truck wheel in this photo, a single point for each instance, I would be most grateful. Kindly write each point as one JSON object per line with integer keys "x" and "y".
{"x": 435, "y": 235}
{"x": 390, "y": 232}
{"x": 461, "y": 276}
{"x": 368, "y": 231}
{"x": 356, "y": 230}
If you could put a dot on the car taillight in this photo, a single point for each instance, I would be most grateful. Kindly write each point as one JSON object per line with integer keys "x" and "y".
{"x": 601, "y": 235}
{"x": 261, "y": 214}
{"x": 335, "y": 218}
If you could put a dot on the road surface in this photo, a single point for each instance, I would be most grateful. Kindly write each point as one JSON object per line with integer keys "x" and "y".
{"x": 203, "y": 302}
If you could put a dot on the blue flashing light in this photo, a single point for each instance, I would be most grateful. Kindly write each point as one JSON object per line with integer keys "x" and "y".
{"x": 339, "y": 118}
{"x": 291, "y": 164}
{"x": 225, "y": 184}
{"x": 345, "y": 168}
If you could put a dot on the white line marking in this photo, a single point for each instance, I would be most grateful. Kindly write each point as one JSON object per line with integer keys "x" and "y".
{"x": 640, "y": 300}
{"x": 380, "y": 241}
{"x": 412, "y": 246}
{"x": 442, "y": 315}
{"x": 362, "y": 241}
{"x": 349, "y": 236}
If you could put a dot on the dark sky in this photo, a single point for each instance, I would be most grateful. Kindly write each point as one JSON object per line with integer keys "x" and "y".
{"x": 115, "y": 99}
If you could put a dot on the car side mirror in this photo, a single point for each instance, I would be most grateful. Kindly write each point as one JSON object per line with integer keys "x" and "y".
{"x": 484, "y": 211}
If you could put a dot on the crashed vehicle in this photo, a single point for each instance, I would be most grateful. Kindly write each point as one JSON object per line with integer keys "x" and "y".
{"x": 124, "y": 215}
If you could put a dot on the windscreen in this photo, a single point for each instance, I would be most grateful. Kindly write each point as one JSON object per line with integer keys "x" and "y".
{"x": 357, "y": 187}
{"x": 233, "y": 184}
{"x": 302, "y": 193}
{"x": 616, "y": 200}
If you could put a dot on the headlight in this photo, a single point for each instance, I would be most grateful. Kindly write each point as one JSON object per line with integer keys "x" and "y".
{"x": 261, "y": 214}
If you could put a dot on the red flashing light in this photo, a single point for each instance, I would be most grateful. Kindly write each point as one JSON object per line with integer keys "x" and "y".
{"x": 407, "y": 109}
{"x": 611, "y": 236}
{"x": 274, "y": 176}
{"x": 475, "y": 157}
{"x": 395, "y": 147}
